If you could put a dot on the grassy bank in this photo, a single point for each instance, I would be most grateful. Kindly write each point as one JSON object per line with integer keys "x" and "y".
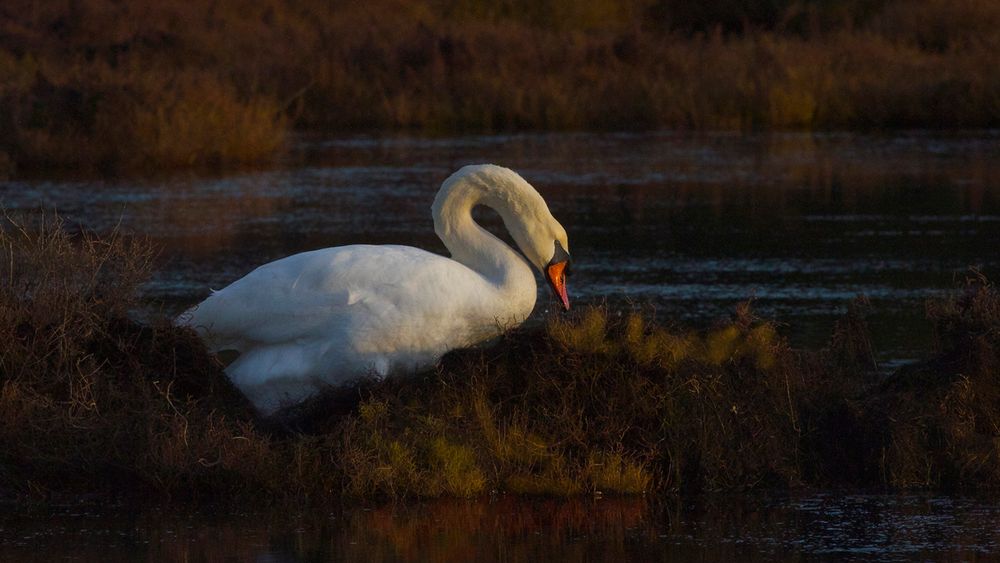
{"x": 92, "y": 402}
{"x": 146, "y": 84}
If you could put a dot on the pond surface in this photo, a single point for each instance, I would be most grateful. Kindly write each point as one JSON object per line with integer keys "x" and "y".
{"x": 813, "y": 527}
{"x": 687, "y": 225}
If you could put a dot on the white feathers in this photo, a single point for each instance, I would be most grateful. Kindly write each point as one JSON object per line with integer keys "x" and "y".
{"x": 332, "y": 315}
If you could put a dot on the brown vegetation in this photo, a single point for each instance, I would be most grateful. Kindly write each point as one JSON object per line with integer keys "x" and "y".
{"x": 129, "y": 84}
{"x": 943, "y": 417}
{"x": 93, "y": 401}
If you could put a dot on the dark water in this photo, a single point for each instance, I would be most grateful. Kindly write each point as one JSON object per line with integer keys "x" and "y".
{"x": 688, "y": 224}
{"x": 814, "y": 527}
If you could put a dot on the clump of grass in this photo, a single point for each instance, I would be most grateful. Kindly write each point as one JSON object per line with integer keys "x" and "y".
{"x": 745, "y": 339}
{"x": 380, "y": 458}
{"x": 967, "y": 326}
{"x": 850, "y": 344}
{"x": 92, "y": 401}
{"x": 616, "y": 473}
{"x": 588, "y": 335}
{"x": 943, "y": 416}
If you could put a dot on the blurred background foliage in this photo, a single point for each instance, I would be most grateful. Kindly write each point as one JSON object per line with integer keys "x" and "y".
{"x": 109, "y": 83}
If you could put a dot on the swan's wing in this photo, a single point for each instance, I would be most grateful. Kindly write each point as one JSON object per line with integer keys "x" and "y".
{"x": 262, "y": 308}
{"x": 315, "y": 293}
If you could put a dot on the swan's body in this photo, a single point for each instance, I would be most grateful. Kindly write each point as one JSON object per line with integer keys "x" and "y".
{"x": 332, "y": 315}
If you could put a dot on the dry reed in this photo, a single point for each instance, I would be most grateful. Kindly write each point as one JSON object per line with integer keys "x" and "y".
{"x": 143, "y": 84}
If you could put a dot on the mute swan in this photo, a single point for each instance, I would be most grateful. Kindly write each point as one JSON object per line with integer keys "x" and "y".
{"x": 331, "y": 315}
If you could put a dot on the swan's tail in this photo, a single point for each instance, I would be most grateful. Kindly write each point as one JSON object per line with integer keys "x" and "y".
{"x": 201, "y": 319}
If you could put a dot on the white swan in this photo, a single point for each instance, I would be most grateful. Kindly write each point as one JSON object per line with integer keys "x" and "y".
{"x": 331, "y": 315}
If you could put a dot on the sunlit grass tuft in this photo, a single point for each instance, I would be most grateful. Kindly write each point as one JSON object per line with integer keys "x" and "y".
{"x": 614, "y": 473}
{"x": 456, "y": 469}
{"x": 586, "y": 335}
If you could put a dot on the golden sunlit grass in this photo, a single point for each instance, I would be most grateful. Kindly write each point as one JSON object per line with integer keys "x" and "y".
{"x": 593, "y": 402}
{"x": 200, "y": 120}
{"x": 144, "y": 84}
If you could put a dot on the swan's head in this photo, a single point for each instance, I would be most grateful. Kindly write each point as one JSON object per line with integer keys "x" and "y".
{"x": 540, "y": 237}
{"x": 537, "y": 233}
{"x": 544, "y": 243}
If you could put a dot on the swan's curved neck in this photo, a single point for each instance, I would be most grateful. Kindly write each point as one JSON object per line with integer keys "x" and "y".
{"x": 474, "y": 246}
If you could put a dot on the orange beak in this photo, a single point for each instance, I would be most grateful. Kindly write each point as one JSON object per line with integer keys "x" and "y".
{"x": 556, "y": 275}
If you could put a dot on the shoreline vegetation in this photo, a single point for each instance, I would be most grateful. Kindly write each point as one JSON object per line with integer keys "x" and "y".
{"x": 98, "y": 405}
{"x": 110, "y": 85}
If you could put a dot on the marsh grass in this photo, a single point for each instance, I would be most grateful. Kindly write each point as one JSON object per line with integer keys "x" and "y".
{"x": 148, "y": 84}
{"x": 136, "y": 119}
{"x": 92, "y": 401}
{"x": 943, "y": 417}
{"x": 595, "y": 402}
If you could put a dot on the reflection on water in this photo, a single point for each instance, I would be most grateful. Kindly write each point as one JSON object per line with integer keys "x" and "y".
{"x": 691, "y": 224}
{"x": 819, "y": 526}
